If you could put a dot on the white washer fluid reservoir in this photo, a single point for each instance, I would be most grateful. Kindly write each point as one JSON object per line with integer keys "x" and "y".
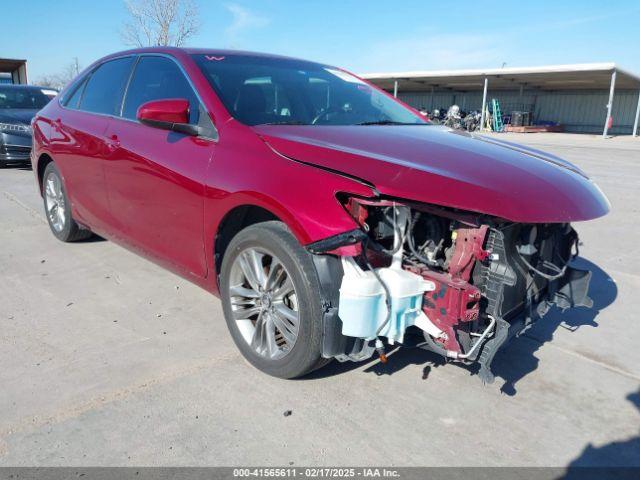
{"x": 363, "y": 308}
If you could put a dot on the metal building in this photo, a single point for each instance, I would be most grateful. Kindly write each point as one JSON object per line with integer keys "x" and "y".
{"x": 582, "y": 98}
{"x": 13, "y": 71}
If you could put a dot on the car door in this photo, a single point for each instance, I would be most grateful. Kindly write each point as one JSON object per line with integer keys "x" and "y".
{"x": 155, "y": 178}
{"x": 78, "y": 140}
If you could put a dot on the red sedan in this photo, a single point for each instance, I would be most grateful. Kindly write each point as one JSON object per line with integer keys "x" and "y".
{"x": 330, "y": 218}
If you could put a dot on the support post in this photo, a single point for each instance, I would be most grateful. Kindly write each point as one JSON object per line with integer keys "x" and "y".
{"x": 395, "y": 89}
{"x": 612, "y": 90}
{"x": 22, "y": 74}
{"x": 484, "y": 102}
{"x": 635, "y": 123}
{"x": 431, "y": 108}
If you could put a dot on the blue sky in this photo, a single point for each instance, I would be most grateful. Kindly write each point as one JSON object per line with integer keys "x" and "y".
{"x": 362, "y": 36}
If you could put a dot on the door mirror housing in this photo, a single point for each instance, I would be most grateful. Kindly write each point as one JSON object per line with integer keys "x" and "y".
{"x": 170, "y": 114}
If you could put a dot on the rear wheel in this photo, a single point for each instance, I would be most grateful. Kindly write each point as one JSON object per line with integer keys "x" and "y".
{"x": 58, "y": 208}
{"x": 270, "y": 295}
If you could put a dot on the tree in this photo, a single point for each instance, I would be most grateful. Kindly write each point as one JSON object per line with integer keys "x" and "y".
{"x": 160, "y": 22}
{"x": 50, "y": 81}
{"x": 62, "y": 78}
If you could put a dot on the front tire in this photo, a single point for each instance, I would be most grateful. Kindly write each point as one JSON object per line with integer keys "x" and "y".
{"x": 58, "y": 208}
{"x": 270, "y": 296}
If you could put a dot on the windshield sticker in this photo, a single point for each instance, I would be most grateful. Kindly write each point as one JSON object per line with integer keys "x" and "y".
{"x": 345, "y": 76}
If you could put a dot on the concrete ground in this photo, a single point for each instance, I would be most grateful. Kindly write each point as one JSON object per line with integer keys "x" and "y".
{"x": 109, "y": 360}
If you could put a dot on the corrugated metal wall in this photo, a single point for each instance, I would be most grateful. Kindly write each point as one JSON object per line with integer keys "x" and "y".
{"x": 578, "y": 110}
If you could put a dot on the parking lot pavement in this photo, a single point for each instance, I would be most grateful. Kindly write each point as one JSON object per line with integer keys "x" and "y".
{"x": 109, "y": 360}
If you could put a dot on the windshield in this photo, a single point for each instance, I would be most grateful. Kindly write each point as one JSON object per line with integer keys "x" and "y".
{"x": 22, "y": 98}
{"x": 261, "y": 90}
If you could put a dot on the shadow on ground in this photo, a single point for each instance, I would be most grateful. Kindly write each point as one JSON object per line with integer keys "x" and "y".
{"x": 619, "y": 459}
{"x": 92, "y": 239}
{"x": 518, "y": 358}
{"x": 514, "y": 361}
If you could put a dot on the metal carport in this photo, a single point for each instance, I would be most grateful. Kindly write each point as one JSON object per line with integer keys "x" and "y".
{"x": 16, "y": 68}
{"x": 593, "y": 78}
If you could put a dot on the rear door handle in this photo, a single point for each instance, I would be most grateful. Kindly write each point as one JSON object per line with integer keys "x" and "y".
{"x": 112, "y": 142}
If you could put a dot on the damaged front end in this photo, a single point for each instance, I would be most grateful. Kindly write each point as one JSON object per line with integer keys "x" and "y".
{"x": 467, "y": 282}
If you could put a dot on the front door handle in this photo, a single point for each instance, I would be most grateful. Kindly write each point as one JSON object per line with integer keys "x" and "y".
{"x": 112, "y": 142}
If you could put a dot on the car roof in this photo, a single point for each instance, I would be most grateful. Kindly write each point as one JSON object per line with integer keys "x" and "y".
{"x": 208, "y": 51}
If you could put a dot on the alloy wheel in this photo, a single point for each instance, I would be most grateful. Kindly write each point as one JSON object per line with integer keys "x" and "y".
{"x": 264, "y": 303}
{"x": 55, "y": 202}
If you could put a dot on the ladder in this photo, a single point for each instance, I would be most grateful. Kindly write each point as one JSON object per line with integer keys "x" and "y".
{"x": 497, "y": 116}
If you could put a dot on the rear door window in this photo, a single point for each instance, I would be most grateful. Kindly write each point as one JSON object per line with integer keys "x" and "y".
{"x": 74, "y": 99}
{"x": 105, "y": 88}
{"x": 158, "y": 78}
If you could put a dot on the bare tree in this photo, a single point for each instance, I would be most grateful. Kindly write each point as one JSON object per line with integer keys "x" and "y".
{"x": 62, "y": 78}
{"x": 47, "y": 81}
{"x": 69, "y": 72}
{"x": 160, "y": 22}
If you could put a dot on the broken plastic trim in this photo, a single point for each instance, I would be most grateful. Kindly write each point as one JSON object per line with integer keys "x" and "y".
{"x": 352, "y": 237}
{"x": 569, "y": 291}
{"x": 334, "y": 343}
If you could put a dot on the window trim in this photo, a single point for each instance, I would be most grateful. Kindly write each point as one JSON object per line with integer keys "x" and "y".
{"x": 85, "y": 79}
{"x": 215, "y": 137}
{"x": 80, "y": 85}
{"x": 126, "y": 87}
{"x": 64, "y": 98}
{"x": 133, "y": 72}
{"x": 94, "y": 70}
{"x": 83, "y": 84}
{"x": 184, "y": 72}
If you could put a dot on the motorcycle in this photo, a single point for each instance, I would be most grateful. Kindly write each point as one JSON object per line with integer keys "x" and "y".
{"x": 435, "y": 117}
{"x": 454, "y": 119}
{"x": 472, "y": 121}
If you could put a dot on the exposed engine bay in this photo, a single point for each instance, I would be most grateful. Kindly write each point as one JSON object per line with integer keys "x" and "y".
{"x": 466, "y": 282}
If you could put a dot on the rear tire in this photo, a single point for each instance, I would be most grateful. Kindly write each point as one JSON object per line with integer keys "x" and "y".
{"x": 57, "y": 207}
{"x": 258, "y": 296}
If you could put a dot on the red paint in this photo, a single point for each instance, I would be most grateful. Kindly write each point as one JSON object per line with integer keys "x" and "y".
{"x": 437, "y": 165}
{"x": 455, "y": 300}
{"x": 171, "y": 110}
{"x": 468, "y": 249}
{"x": 78, "y": 145}
{"x": 157, "y": 194}
{"x": 165, "y": 194}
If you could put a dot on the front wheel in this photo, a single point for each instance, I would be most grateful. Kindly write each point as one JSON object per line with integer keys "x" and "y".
{"x": 271, "y": 301}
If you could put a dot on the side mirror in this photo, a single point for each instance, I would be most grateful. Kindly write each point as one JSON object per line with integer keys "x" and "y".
{"x": 171, "y": 114}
